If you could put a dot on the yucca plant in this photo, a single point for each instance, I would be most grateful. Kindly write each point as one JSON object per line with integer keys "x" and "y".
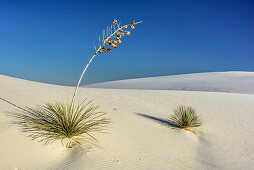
{"x": 59, "y": 121}
{"x": 185, "y": 117}
{"x": 70, "y": 122}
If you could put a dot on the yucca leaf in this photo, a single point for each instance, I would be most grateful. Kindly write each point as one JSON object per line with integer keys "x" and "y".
{"x": 185, "y": 117}
{"x": 59, "y": 121}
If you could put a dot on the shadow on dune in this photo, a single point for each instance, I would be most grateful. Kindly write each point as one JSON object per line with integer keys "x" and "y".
{"x": 13, "y": 104}
{"x": 71, "y": 159}
{"x": 157, "y": 119}
{"x": 14, "y": 114}
{"x": 207, "y": 153}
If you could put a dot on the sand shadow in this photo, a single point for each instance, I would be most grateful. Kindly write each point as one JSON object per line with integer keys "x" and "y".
{"x": 13, "y": 104}
{"x": 14, "y": 114}
{"x": 19, "y": 113}
{"x": 70, "y": 159}
{"x": 161, "y": 121}
{"x": 207, "y": 154}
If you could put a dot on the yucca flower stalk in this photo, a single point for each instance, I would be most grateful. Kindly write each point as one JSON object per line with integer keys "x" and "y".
{"x": 185, "y": 117}
{"x": 110, "y": 37}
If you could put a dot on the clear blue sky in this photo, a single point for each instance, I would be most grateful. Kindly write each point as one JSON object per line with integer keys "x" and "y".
{"x": 51, "y": 41}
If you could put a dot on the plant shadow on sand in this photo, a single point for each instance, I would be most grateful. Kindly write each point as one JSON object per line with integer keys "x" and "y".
{"x": 161, "y": 121}
{"x": 13, "y": 104}
{"x": 208, "y": 153}
{"x": 72, "y": 159}
{"x": 205, "y": 154}
{"x": 11, "y": 114}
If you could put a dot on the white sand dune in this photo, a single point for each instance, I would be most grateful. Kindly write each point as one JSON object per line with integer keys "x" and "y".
{"x": 138, "y": 137}
{"x": 232, "y": 81}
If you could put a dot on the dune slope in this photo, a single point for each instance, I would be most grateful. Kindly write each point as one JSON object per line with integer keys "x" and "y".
{"x": 233, "y": 81}
{"x": 138, "y": 137}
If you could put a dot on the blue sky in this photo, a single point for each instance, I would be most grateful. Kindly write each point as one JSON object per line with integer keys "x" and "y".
{"x": 51, "y": 41}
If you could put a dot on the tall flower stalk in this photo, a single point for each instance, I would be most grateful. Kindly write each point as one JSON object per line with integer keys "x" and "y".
{"x": 111, "y": 37}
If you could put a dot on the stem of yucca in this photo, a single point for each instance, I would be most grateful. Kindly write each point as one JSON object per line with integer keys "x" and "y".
{"x": 111, "y": 35}
{"x": 76, "y": 89}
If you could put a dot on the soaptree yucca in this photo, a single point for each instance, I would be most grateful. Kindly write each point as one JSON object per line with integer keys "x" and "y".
{"x": 185, "y": 117}
{"x": 72, "y": 122}
{"x": 59, "y": 121}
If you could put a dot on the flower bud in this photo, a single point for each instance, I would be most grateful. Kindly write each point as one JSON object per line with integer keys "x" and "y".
{"x": 133, "y": 23}
{"x": 132, "y": 27}
{"x": 128, "y": 32}
{"x": 103, "y": 49}
{"x": 109, "y": 40}
{"x": 114, "y": 22}
{"x": 114, "y": 45}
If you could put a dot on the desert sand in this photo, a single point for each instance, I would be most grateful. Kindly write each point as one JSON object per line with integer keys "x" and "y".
{"x": 138, "y": 137}
{"x": 231, "y": 81}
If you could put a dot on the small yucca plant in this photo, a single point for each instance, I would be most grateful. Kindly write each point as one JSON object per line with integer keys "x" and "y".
{"x": 58, "y": 121}
{"x": 185, "y": 117}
